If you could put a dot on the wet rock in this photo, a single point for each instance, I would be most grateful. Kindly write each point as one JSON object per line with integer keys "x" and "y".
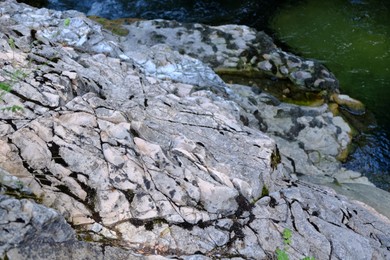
{"x": 311, "y": 139}
{"x": 351, "y": 105}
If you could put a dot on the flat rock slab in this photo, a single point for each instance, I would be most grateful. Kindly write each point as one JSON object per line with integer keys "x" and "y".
{"x": 133, "y": 151}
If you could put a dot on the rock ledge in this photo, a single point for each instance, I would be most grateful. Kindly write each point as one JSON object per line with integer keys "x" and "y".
{"x": 146, "y": 151}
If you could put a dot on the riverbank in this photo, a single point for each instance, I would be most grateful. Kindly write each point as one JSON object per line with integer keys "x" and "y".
{"x": 351, "y": 38}
{"x": 370, "y": 149}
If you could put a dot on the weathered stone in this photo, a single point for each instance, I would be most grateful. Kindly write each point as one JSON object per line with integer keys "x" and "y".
{"x": 352, "y": 105}
{"x": 220, "y": 47}
{"x": 24, "y": 222}
{"x": 136, "y": 144}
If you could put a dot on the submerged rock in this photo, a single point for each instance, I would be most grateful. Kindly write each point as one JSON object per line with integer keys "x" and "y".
{"x": 353, "y": 106}
{"x": 149, "y": 151}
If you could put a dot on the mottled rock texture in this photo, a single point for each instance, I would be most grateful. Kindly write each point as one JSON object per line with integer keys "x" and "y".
{"x": 150, "y": 151}
{"x": 230, "y": 47}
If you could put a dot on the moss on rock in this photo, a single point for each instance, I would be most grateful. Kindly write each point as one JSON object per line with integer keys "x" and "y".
{"x": 115, "y": 26}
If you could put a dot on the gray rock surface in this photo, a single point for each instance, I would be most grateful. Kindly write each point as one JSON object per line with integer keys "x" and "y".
{"x": 229, "y": 47}
{"x": 24, "y": 222}
{"x": 136, "y": 153}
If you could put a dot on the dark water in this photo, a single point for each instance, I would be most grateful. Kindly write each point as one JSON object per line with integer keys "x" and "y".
{"x": 349, "y": 37}
{"x": 352, "y": 38}
{"x": 203, "y": 11}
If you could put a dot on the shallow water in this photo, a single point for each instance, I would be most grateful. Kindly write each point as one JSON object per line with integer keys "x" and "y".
{"x": 349, "y": 37}
{"x": 352, "y": 38}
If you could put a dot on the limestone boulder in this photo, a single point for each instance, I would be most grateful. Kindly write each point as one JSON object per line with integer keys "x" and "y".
{"x": 151, "y": 162}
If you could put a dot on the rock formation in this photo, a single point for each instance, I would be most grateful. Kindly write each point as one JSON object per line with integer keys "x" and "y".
{"x": 144, "y": 150}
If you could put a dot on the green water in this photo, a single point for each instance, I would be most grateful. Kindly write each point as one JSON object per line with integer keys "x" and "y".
{"x": 351, "y": 38}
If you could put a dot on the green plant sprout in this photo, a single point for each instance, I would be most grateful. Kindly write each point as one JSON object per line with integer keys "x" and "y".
{"x": 11, "y": 43}
{"x": 13, "y": 108}
{"x": 67, "y": 22}
{"x": 16, "y": 76}
{"x": 287, "y": 234}
{"x": 5, "y": 88}
{"x": 281, "y": 254}
{"x": 19, "y": 75}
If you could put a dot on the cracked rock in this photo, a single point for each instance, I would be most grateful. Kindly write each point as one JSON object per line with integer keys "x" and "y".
{"x": 142, "y": 146}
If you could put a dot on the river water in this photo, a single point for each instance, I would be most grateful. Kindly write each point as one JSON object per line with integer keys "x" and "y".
{"x": 203, "y": 11}
{"x": 352, "y": 38}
